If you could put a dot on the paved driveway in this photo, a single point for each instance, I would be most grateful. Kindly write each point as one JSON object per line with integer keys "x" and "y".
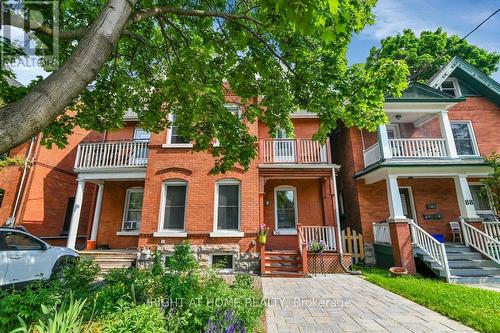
{"x": 345, "y": 303}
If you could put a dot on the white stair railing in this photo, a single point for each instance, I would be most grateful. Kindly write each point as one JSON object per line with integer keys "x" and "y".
{"x": 487, "y": 245}
{"x": 381, "y": 233}
{"x": 492, "y": 229}
{"x": 320, "y": 233}
{"x": 432, "y": 247}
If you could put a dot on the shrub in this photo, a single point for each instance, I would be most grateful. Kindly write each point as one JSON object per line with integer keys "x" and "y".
{"x": 64, "y": 318}
{"x": 182, "y": 260}
{"x": 243, "y": 281}
{"x": 142, "y": 318}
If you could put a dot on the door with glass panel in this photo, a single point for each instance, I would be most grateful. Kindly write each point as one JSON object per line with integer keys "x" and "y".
{"x": 284, "y": 148}
{"x": 140, "y": 149}
{"x": 285, "y": 210}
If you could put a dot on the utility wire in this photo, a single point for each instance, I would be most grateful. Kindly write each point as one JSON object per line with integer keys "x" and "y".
{"x": 421, "y": 71}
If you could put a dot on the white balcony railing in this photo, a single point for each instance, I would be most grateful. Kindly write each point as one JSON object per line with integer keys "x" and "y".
{"x": 293, "y": 151}
{"x": 372, "y": 155}
{"x": 381, "y": 233}
{"x": 320, "y": 233}
{"x": 418, "y": 148}
{"x": 111, "y": 154}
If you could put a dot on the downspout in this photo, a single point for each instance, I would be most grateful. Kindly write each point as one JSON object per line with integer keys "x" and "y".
{"x": 11, "y": 221}
{"x": 335, "y": 202}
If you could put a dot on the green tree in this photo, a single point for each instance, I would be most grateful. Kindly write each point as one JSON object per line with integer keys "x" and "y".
{"x": 181, "y": 56}
{"x": 492, "y": 183}
{"x": 419, "y": 51}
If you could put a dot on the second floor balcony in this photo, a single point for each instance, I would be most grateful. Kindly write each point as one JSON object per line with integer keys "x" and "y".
{"x": 111, "y": 155}
{"x": 293, "y": 151}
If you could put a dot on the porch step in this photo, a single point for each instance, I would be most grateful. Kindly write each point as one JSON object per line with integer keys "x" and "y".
{"x": 466, "y": 265}
{"x": 283, "y": 263}
{"x": 111, "y": 259}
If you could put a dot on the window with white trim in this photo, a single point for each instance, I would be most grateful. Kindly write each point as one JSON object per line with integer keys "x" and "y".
{"x": 463, "y": 135}
{"x": 222, "y": 262}
{"x": 451, "y": 87}
{"x": 234, "y": 109}
{"x": 133, "y": 209}
{"x": 482, "y": 203}
{"x": 227, "y": 212}
{"x": 174, "y": 210}
{"x": 173, "y": 137}
{"x": 141, "y": 135}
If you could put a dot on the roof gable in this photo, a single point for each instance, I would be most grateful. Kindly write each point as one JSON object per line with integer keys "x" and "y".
{"x": 470, "y": 75}
{"x": 418, "y": 92}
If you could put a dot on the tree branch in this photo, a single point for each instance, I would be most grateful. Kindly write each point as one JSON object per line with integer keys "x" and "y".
{"x": 155, "y": 11}
{"x": 17, "y": 21}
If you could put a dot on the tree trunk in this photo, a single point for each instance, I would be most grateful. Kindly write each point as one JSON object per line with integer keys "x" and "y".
{"x": 20, "y": 120}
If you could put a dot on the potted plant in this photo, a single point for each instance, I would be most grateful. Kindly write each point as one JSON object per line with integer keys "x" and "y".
{"x": 317, "y": 246}
{"x": 263, "y": 231}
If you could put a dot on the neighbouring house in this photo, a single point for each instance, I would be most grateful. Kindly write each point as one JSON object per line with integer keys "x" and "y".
{"x": 424, "y": 166}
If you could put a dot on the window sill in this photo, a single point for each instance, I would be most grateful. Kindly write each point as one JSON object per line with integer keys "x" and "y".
{"x": 128, "y": 233}
{"x": 227, "y": 234}
{"x": 170, "y": 234}
{"x": 177, "y": 145}
{"x": 285, "y": 232}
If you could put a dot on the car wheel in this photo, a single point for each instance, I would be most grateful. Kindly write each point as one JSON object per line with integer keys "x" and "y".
{"x": 60, "y": 264}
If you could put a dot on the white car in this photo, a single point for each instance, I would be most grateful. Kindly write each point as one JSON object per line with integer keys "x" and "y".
{"x": 24, "y": 257}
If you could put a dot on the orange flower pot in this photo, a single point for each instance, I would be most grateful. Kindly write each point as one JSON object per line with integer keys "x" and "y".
{"x": 91, "y": 245}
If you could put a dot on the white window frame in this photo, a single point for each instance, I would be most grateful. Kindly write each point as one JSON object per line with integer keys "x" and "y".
{"x": 226, "y": 232}
{"x": 171, "y": 232}
{"x": 492, "y": 209}
{"x": 169, "y": 143}
{"x": 456, "y": 86}
{"x": 287, "y": 231}
{"x": 222, "y": 270}
{"x": 136, "y": 130}
{"x": 229, "y": 106}
{"x": 472, "y": 134}
{"x": 124, "y": 232}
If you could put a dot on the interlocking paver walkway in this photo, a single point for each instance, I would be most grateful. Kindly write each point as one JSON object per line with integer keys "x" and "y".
{"x": 345, "y": 303}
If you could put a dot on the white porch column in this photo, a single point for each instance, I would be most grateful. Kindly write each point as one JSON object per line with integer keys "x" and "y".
{"x": 446, "y": 132}
{"x": 75, "y": 216}
{"x": 394, "y": 198}
{"x": 97, "y": 212}
{"x": 464, "y": 197}
{"x": 384, "y": 141}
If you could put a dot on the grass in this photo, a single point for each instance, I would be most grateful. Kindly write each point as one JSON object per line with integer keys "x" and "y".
{"x": 474, "y": 307}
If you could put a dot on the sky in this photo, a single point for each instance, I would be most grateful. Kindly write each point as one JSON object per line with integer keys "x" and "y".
{"x": 455, "y": 16}
{"x": 392, "y": 16}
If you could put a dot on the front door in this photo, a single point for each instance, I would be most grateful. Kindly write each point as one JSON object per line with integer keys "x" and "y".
{"x": 407, "y": 202}
{"x": 286, "y": 210}
{"x": 140, "y": 153}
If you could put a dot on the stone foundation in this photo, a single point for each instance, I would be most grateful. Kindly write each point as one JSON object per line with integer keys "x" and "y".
{"x": 243, "y": 261}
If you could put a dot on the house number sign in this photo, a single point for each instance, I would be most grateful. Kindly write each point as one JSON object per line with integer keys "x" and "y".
{"x": 469, "y": 202}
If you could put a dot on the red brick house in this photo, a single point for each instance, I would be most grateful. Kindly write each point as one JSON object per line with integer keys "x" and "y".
{"x": 425, "y": 165}
{"x": 153, "y": 190}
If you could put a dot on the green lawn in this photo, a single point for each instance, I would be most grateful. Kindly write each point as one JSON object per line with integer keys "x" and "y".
{"x": 474, "y": 307}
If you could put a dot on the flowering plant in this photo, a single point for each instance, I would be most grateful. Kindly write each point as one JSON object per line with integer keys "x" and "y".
{"x": 317, "y": 246}
{"x": 263, "y": 230}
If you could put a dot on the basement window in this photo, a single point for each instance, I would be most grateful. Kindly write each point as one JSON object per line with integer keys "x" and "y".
{"x": 222, "y": 262}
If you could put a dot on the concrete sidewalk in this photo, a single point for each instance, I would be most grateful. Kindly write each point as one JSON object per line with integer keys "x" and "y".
{"x": 345, "y": 303}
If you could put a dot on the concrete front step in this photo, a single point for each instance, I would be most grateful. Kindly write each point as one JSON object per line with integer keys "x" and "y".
{"x": 457, "y": 248}
{"x": 488, "y": 280}
{"x": 467, "y": 263}
{"x": 284, "y": 274}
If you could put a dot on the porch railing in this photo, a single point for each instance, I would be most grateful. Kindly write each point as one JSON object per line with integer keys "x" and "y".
{"x": 431, "y": 247}
{"x": 482, "y": 242}
{"x": 305, "y": 151}
{"x": 111, "y": 154}
{"x": 302, "y": 244}
{"x": 381, "y": 233}
{"x": 372, "y": 155}
{"x": 320, "y": 233}
{"x": 492, "y": 229}
{"x": 418, "y": 148}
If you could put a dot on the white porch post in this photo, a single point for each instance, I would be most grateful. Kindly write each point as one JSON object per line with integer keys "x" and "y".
{"x": 446, "y": 132}
{"x": 384, "y": 141}
{"x": 97, "y": 212}
{"x": 464, "y": 197}
{"x": 75, "y": 216}
{"x": 394, "y": 198}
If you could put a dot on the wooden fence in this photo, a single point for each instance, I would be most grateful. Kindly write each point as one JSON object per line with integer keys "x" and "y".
{"x": 352, "y": 242}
